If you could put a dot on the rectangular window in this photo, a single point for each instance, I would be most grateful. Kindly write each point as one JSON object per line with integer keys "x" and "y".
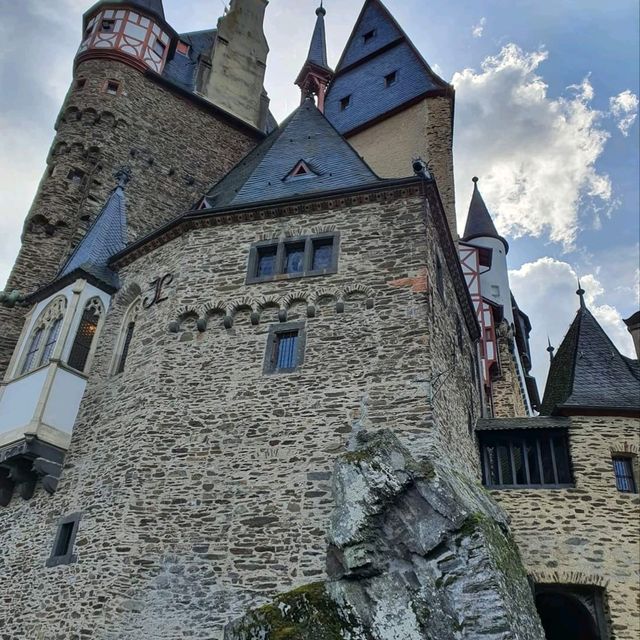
{"x": 485, "y": 256}
{"x": 623, "y": 469}
{"x": 345, "y": 102}
{"x": 294, "y": 258}
{"x": 81, "y": 83}
{"x": 159, "y": 48}
{"x": 533, "y": 458}
{"x": 390, "y": 79}
{"x": 285, "y": 348}
{"x": 112, "y": 87}
{"x": 62, "y": 552}
{"x": 183, "y": 48}
{"x": 107, "y": 26}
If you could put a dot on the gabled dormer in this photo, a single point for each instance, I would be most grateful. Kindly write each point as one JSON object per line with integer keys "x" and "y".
{"x": 46, "y": 379}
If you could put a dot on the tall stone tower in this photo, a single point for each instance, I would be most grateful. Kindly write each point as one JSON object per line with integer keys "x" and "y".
{"x": 137, "y": 99}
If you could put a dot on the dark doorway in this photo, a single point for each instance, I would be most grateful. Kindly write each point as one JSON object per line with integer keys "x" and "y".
{"x": 564, "y": 617}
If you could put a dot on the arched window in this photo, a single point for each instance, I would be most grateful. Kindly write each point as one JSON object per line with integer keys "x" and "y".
{"x": 83, "y": 343}
{"x": 126, "y": 336}
{"x": 45, "y": 334}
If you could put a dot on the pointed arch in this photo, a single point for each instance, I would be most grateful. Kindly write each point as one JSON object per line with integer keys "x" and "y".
{"x": 125, "y": 337}
{"x": 85, "y": 341}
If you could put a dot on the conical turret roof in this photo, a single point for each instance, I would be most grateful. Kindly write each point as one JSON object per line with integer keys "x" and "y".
{"x": 105, "y": 238}
{"x": 318, "y": 49}
{"x": 588, "y": 372}
{"x": 479, "y": 221}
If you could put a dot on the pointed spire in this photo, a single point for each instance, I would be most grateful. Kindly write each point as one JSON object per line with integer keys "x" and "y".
{"x": 580, "y": 292}
{"x": 106, "y": 236}
{"x": 550, "y": 349}
{"x": 316, "y": 74}
{"x": 479, "y": 221}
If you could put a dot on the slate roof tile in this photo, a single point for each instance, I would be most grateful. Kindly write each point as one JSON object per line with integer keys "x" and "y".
{"x": 183, "y": 69}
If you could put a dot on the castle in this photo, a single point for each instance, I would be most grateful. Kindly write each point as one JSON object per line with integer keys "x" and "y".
{"x": 209, "y": 308}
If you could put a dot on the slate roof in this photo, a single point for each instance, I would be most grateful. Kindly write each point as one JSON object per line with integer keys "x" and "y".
{"x": 318, "y": 49}
{"x": 479, "y": 221}
{"x": 365, "y": 63}
{"x": 306, "y": 135}
{"x": 183, "y": 69}
{"x": 105, "y": 238}
{"x": 588, "y": 372}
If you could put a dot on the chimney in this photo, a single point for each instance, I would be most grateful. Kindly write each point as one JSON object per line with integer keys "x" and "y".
{"x": 633, "y": 326}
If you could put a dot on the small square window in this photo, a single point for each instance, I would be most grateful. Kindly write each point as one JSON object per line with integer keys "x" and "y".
{"x": 623, "y": 469}
{"x": 294, "y": 258}
{"x": 369, "y": 36}
{"x": 81, "y": 84}
{"x": 107, "y": 26}
{"x": 345, "y": 102}
{"x": 62, "y": 552}
{"x": 485, "y": 256}
{"x": 266, "y": 262}
{"x": 390, "y": 79}
{"x": 183, "y": 48}
{"x": 285, "y": 348}
{"x": 322, "y": 254}
{"x": 159, "y": 48}
{"x": 112, "y": 87}
{"x": 75, "y": 176}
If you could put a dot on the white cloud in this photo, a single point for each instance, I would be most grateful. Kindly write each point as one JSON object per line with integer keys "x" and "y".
{"x": 624, "y": 108}
{"x": 478, "y": 30}
{"x": 546, "y": 289}
{"x": 536, "y": 155}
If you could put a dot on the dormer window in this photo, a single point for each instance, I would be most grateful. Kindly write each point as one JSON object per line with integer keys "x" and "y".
{"x": 301, "y": 170}
{"x": 183, "y": 48}
{"x": 345, "y": 102}
{"x": 369, "y": 36}
{"x": 107, "y": 26}
{"x": 390, "y": 79}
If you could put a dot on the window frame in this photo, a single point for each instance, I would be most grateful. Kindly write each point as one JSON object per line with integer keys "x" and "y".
{"x": 131, "y": 316}
{"x": 309, "y": 242}
{"x": 275, "y": 331}
{"x": 95, "y": 305}
{"x": 391, "y": 79}
{"x": 631, "y": 460}
{"x": 163, "y": 48}
{"x": 523, "y": 436}
{"x": 68, "y": 557}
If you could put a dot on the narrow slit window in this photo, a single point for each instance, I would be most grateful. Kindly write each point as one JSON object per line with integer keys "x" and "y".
{"x": 623, "y": 469}
{"x": 62, "y": 551}
{"x": 345, "y": 102}
{"x": 126, "y": 345}
{"x": 52, "y": 339}
{"x": 34, "y": 346}
{"x": 84, "y": 340}
{"x": 439, "y": 277}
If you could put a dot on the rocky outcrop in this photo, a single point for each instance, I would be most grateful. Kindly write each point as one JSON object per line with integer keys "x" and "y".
{"x": 416, "y": 552}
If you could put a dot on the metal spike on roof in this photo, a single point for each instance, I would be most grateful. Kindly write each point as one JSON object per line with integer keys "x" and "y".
{"x": 479, "y": 221}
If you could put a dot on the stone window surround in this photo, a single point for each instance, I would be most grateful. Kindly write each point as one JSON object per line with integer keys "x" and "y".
{"x": 308, "y": 241}
{"x": 131, "y": 315}
{"x": 635, "y": 470}
{"x": 69, "y": 557}
{"x": 533, "y": 434}
{"x": 285, "y": 327}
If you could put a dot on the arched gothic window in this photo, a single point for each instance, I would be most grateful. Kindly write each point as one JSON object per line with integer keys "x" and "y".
{"x": 126, "y": 336}
{"x": 44, "y": 336}
{"x": 84, "y": 342}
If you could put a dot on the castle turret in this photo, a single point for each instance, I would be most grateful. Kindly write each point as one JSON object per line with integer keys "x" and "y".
{"x": 239, "y": 63}
{"x": 316, "y": 74}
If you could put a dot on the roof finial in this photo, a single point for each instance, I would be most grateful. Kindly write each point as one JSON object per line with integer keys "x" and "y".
{"x": 475, "y": 180}
{"x": 321, "y": 11}
{"x": 123, "y": 176}
{"x": 550, "y": 349}
{"x": 581, "y": 293}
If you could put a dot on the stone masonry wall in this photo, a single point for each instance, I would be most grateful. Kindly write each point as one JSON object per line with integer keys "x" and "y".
{"x": 589, "y": 534}
{"x": 175, "y": 149}
{"x": 506, "y": 392}
{"x": 203, "y": 483}
{"x": 423, "y": 130}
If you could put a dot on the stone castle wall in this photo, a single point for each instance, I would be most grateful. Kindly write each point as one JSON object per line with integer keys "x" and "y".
{"x": 589, "y": 534}
{"x": 423, "y": 130}
{"x": 506, "y": 393}
{"x": 175, "y": 149}
{"x": 203, "y": 483}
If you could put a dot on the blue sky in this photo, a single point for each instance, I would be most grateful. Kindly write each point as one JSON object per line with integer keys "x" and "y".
{"x": 546, "y": 116}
